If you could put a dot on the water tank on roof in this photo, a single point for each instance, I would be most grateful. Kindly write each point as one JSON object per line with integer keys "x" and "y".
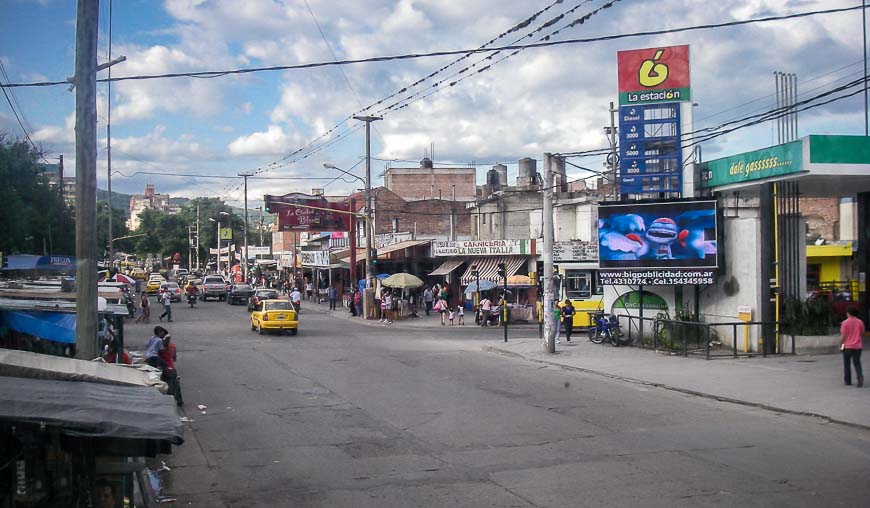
{"x": 528, "y": 168}
{"x": 502, "y": 174}
{"x": 493, "y": 179}
{"x": 426, "y": 163}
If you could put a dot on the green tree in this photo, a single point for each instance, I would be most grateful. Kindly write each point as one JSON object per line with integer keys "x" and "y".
{"x": 119, "y": 228}
{"x": 34, "y": 217}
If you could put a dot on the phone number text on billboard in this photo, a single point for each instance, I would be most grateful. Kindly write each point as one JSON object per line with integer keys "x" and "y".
{"x": 656, "y": 277}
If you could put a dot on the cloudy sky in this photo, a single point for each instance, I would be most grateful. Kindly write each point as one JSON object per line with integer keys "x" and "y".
{"x": 551, "y": 99}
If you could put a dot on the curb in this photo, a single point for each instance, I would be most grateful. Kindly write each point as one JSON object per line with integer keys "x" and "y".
{"x": 760, "y": 405}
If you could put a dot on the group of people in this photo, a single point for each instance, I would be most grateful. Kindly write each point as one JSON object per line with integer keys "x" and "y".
{"x": 160, "y": 353}
{"x": 564, "y": 317}
{"x": 164, "y": 297}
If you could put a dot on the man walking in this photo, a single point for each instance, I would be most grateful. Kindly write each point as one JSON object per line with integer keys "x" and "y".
{"x": 332, "y": 294}
{"x": 166, "y": 298}
{"x": 851, "y": 343}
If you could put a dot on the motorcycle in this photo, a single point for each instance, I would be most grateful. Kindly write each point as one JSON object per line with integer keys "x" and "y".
{"x": 607, "y": 328}
{"x": 130, "y": 303}
{"x": 191, "y": 299}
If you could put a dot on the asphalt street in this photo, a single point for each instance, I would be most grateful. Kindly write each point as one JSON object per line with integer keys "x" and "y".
{"x": 350, "y": 414}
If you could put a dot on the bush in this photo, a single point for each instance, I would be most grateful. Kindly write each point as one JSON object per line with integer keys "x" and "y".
{"x": 806, "y": 317}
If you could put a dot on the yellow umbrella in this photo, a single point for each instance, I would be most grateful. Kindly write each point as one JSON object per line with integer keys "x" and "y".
{"x": 402, "y": 280}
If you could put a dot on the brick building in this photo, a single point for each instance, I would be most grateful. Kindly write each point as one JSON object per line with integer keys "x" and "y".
{"x": 429, "y": 182}
{"x": 427, "y": 218}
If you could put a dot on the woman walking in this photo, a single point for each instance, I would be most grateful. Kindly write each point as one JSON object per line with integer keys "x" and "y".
{"x": 144, "y": 309}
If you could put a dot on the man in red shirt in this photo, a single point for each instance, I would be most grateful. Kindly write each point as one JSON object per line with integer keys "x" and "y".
{"x": 851, "y": 342}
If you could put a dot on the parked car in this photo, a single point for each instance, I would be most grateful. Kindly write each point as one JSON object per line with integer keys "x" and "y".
{"x": 174, "y": 290}
{"x": 260, "y": 295}
{"x": 239, "y": 293}
{"x": 214, "y": 286}
{"x": 274, "y": 315}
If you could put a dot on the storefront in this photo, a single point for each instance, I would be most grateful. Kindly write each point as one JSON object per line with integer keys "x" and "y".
{"x": 576, "y": 263}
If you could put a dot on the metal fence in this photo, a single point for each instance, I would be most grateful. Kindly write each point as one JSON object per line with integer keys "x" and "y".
{"x": 711, "y": 340}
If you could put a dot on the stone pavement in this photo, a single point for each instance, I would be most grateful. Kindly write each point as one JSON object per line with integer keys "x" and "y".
{"x": 809, "y": 385}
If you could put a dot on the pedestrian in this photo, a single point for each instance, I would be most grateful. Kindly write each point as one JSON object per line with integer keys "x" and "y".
{"x": 444, "y": 293}
{"x": 154, "y": 346}
{"x": 427, "y": 299}
{"x": 460, "y": 313}
{"x": 167, "y": 306}
{"x": 851, "y": 333}
{"x": 137, "y": 286}
{"x": 557, "y": 316}
{"x": 451, "y": 316}
{"x": 568, "y": 318}
{"x": 444, "y": 309}
{"x": 332, "y": 294}
{"x": 169, "y": 356}
{"x": 144, "y": 309}
{"x": 357, "y": 302}
{"x": 386, "y": 303}
{"x": 309, "y": 290}
{"x": 485, "y": 311}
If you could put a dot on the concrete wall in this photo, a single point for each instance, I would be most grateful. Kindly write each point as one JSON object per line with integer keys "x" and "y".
{"x": 740, "y": 281}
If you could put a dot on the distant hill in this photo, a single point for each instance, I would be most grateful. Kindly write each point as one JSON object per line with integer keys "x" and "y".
{"x": 119, "y": 201}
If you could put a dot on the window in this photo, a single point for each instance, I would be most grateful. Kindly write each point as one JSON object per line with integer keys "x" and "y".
{"x": 578, "y": 284}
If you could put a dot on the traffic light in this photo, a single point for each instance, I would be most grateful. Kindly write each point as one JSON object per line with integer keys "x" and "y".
{"x": 502, "y": 271}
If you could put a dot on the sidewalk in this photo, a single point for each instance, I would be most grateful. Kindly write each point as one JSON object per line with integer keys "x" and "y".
{"x": 432, "y": 321}
{"x": 808, "y": 385}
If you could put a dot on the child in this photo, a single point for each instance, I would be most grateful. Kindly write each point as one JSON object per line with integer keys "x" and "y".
{"x": 450, "y": 316}
{"x": 460, "y": 311}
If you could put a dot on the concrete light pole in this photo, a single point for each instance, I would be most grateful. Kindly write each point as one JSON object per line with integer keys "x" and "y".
{"x": 549, "y": 233}
{"x": 218, "y": 254}
{"x": 370, "y": 268}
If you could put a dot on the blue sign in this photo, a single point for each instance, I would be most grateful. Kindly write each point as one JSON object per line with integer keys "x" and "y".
{"x": 650, "y": 149}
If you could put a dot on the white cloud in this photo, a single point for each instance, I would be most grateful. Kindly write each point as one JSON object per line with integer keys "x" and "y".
{"x": 271, "y": 142}
{"x": 155, "y": 146}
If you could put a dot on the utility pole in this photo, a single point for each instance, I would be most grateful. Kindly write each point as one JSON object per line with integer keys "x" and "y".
{"x": 85, "y": 81}
{"x": 197, "y": 235}
{"x": 245, "y": 261}
{"x": 109, "y": 142}
{"x": 368, "y": 299}
{"x": 547, "y": 276}
{"x": 260, "y": 208}
{"x": 864, "y": 31}
{"x": 612, "y": 158}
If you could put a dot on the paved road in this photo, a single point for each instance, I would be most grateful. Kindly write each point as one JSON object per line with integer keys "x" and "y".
{"x": 354, "y": 415}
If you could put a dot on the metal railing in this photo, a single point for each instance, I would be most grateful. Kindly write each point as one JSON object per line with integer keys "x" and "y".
{"x": 731, "y": 339}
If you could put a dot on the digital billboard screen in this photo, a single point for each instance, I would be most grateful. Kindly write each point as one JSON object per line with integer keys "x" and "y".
{"x": 662, "y": 235}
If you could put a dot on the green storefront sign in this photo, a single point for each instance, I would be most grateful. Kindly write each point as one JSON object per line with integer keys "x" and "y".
{"x": 774, "y": 161}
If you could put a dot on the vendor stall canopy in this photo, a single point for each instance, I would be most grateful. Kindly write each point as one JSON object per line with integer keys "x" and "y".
{"x": 487, "y": 268}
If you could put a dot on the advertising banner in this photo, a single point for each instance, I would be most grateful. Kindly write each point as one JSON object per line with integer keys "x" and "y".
{"x": 654, "y": 75}
{"x": 650, "y": 149}
{"x": 662, "y": 235}
{"x": 322, "y": 215}
{"x": 774, "y": 161}
{"x": 257, "y": 251}
{"x": 484, "y": 248}
{"x": 319, "y": 258}
{"x": 575, "y": 250}
{"x": 673, "y": 277}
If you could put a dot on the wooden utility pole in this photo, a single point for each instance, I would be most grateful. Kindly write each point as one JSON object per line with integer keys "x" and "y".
{"x": 85, "y": 81}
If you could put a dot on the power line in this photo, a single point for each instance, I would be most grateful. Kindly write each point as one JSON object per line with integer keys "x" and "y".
{"x": 431, "y": 54}
{"x": 18, "y": 117}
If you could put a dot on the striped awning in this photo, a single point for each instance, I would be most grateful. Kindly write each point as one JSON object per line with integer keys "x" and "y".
{"x": 447, "y": 266}
{"x": 488, "y": 267}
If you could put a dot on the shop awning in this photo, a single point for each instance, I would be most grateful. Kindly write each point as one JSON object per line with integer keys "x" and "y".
{"x": 447, "y": 267}
{"x": 407, "y": 244}
{"x": 86, "y": 409}
{"x": 487, "y": 267}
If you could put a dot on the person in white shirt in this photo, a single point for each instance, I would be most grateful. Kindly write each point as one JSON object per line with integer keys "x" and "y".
{"x": 296, "y": 299}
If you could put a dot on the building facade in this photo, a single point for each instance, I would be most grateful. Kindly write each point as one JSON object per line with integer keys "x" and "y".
{"x": 429, "y": 182}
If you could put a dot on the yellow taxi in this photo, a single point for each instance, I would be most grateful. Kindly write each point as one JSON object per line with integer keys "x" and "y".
{"x": 154, "y": 284}
{"x": 138, "y": 273}
{"x": 274, "y": 315}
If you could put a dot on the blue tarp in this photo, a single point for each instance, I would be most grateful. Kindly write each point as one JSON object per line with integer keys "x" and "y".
{"x": 48, "y": 263}
{"x": 53, "y": 326}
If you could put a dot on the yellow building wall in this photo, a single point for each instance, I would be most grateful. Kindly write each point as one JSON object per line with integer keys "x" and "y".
{"x": 830, "y": 269}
